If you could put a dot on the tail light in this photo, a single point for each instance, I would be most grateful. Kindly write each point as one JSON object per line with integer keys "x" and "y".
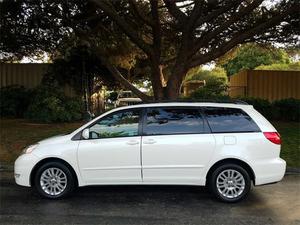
{"x": 274, "y": 137}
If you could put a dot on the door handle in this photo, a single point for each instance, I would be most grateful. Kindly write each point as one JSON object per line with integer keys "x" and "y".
{"x": 132, "y": 142}
{"x": 149, "y": 141}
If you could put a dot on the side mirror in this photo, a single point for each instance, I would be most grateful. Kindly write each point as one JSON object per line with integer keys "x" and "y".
{"x": 86, "y": 133}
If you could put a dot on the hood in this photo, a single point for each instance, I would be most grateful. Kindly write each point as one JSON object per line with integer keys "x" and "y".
{"x": 55, "y": 139}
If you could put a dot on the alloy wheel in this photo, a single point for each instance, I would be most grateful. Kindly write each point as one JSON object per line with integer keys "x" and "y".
{"x": 53, "y": 181}
{"x": 230, "y": 183}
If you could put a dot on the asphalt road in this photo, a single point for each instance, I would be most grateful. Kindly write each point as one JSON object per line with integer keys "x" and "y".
{"x": 272, "y": 204}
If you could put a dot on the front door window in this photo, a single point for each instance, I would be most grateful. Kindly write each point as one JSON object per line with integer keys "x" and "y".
{"x": 121, "y": 124}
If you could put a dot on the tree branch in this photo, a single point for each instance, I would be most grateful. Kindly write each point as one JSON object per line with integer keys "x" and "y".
{"x": 136, "y": 12}
{"x": 195, "y": 14}
{"x": 156, "y": 29}
{"x": 239, "y": 38}
{"x": 119, "y": 77}
{"x": 175, "y": 11}
{"x": 235, "y": 17}
{"x": 217, "y": 12}
{"x": 127, "y": 29}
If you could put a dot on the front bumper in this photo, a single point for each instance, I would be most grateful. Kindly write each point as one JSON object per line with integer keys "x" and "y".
{"x": 269, "y": 171}
{"x": 23, "y": 167}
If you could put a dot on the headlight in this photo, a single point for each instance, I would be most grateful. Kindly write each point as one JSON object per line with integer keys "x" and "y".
{"x": 29, "y": 149}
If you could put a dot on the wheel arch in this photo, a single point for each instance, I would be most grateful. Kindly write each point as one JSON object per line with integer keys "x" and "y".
{"x": 239, "y": 162}
{"x": 52, "y": 159}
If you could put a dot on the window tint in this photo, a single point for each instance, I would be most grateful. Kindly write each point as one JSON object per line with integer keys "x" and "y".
{"x": 173, "y": 121}
{"x": 222, "y": 120}
{"x": 121, "y": 124}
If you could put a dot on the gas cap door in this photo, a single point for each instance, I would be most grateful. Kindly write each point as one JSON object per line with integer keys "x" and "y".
{"x": 229, "y": 140}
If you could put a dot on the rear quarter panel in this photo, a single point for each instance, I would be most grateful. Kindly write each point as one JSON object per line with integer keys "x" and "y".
{"x": 252, "y": 147}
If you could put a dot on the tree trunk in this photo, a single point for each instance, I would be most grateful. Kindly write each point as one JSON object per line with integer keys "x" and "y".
{"x": 169, "y": 90}
{"x": 174, "y": 84}
{"x": 157, "y": 82}
{"x": 173, "y": 88}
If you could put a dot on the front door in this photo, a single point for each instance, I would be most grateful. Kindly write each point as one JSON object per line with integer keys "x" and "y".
{"x": 112, "y": 154}
{"x": 177, "y": 145}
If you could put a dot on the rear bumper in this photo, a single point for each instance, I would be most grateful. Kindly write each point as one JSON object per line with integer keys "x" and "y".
{"x": 269, "y": 171}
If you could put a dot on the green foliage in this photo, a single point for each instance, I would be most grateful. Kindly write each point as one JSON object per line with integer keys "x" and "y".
{"x": 250, "y": 56}
{"x": 215, "y": 82}
{"x": 201, "y": 74}
{"x": 280, "y": 110}
{"x": 14, "y": 101}
{"x": 124, "y": 32}
{"x": 280, "y": 66}
{"x": 80, "y": 68}
{"x": 112, "y": 96}
{"x": 287, "y": 109}
{"x": 215, "y": 87}
{"x": 284, "y": 109}
{"x": 261, "y": 105}
{"x": 51, "y": 105}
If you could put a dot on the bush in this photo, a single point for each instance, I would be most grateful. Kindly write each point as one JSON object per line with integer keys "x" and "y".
{"x": 261, "y": 105}
{"x": 51, "y": 105}
{"x": 215, "y": 88}
{"x": 284, "y": 109}
{"x": 14, "y": 101}
{"x": 287, "y": 109}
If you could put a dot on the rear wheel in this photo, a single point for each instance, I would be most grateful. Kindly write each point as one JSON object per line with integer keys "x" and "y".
{"x": 230, "y": 183}
{"x": 54, "y": 180}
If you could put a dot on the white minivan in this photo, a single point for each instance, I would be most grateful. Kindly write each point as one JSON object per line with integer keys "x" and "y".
{"x": 225, "y": 146}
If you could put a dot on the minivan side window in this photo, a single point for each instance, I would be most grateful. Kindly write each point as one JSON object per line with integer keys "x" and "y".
{"x": 163, "y": 121}
{"x": 229, "y": 120}
{"x": 119, "y": 124}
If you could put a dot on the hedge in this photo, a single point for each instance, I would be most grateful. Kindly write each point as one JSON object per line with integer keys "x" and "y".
{"x": 42, "y": 104}
{"x": 284, "y": 109}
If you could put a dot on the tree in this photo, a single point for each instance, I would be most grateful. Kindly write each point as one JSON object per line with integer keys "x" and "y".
{"x": 277, "y": 66}
{"x": 172, "y": 35}
{"x": 80, "y": 68}
{"x": 203, "y": 74}
{"x": 250, "y": 56}
{"x": 215, "y": 83}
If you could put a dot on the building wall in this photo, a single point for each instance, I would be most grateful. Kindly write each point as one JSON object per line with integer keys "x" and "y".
{"x": 28, "y": 75}
{"x": 266, "y": 84}
{"x": 191, "y": 86}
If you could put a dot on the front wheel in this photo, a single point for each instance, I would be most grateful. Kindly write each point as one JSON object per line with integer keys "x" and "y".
{"x": 230, "y": 183}
{"x": 54, "y": 180}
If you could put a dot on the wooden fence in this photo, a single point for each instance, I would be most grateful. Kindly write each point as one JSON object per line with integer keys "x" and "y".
{"x": 266, "y": 84}
{"x": 28, "y": 75}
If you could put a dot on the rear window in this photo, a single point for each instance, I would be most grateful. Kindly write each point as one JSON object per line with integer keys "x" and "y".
{"x": 162, "y": 121}
{"x": 229, "y": 120}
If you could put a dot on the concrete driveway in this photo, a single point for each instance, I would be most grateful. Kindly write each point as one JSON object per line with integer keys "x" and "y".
{"x": 273, "y": 204}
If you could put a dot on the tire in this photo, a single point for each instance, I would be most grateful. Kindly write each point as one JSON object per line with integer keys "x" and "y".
{"x": 234, "y": 183}
{"x": 54, "y": 180}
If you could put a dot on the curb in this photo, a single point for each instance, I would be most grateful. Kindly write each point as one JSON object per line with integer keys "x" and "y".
{"x": 292, "y": 170}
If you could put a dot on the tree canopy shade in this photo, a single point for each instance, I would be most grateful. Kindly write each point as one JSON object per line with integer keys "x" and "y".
{"x": 172, "y": 35}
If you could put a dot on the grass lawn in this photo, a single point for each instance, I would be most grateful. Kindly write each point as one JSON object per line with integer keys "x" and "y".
{"x": 290, "y": 137}
{"x": 16, "y": 134}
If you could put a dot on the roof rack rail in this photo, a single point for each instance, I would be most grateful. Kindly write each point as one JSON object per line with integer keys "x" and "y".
{"x": 233, "y": 101}
{"x": 237, "y": 101}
